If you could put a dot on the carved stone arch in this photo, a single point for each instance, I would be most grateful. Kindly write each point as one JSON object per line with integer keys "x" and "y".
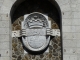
{"x": 17, "y": 4}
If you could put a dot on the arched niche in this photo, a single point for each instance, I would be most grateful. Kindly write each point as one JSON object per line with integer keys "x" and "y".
{"x": 49, "y": 7}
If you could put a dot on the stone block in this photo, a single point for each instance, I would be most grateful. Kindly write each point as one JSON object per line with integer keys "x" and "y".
{"x": 67, "y": 36}
{"x": 76, "y": 36}
{"x": 78, "y": 56}
{"x": 4, "y": 30}
{"x": 69, "y": 43}
{"x": 5, "y": 17}
{"x": 73, "y": 28}
{"x": 1, "y": 4}
{"x": 70, "y": 51}
{"x": 5, "y": 10}
{"x": 5, "y": 53}
{"x": 67, "y": 28}
{"x": 4, "y": 24}
{"x": 1, "y": 0}
{"x": 76, "y": 22}
{"x": 67, "y": 22}
{"x": 76, "y": 15}
{"x": 66, "y": 7}
{"x": 78, "y": 43}
{"x": 67, "y": 15}
{"x": 8, "y": 3}
{"x": 74, "y": 2}
{"x": 62, "y": 2}
{"x": 4, "y": 45}
{"x": 4, "y": 38}
{"x": 78, "y": 51}
{"x": 4, "y": 58}
{"x": 70, "y": 57}
{"x": 77, "y": 29}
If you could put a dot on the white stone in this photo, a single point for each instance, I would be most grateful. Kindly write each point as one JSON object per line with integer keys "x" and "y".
{"x": 6, "y": 39}
{"x": 70, "y": 51}
{"x": 4, "y": 58}
{"x": 73, "y": 1}
{"x": 4, "y": 45}
{"x": 77, "y": 29}
{"x": 70, "y": 57}
{"x": 4, "y": 30}
{"x": 5, "y": 53}
{"x": 76, "y": 22}
{"x": 67, "y": 28}
{"x": 76, "y": 14}
{"x": 66, "y": 7}
{"x": 67, "y": 15}
{"x": 78, "y": 43}
{"x": 76, "y": 36}
{"x": 67, "y": 22}
{"x": 69, "y": 43}
{"x": 4, "y": 24}
{"x": 78, "y": 56}
{"x": 5, "y": 17}
{"x": 1, "y": 4}
{"x": 8, "y": 3}
{"x": 4, "y": 9}
{"x": 67, "y": 36}
{"x": 62, "y": 2}
{"x": 78, "y": 50}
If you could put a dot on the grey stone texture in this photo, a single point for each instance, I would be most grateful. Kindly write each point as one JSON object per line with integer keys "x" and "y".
{"x": 70, "y": 23}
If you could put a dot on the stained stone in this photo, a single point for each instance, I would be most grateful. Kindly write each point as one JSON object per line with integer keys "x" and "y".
{"x": 14, "y": 45}
{"x": 19, "y": 57}
{"x": 36, "y": 59}
{"x": 55, "y": 54}
{"x": 21, "y": 49}
{"x": 55, "y": 41}
{"x": 26, "y": 57}
{"x": 15, "y": 24}
{"x": 54, "y": 50}
{"x": 18, "y": 27}
{"x": 33, "y": 57}
{"x": 15, "y": 49}
{"x": 19, "y": 41}
{"x": 55, "y": 46}
{"x": 17, "y": 52}
{"x": 54, "y": 26}
{"x": 14, "y": 56}
{"x": 58, "y": 39}
{"x": 57, "y": 58}
{"x": 50, "y": 55}
{"x": 44, "y": 59}
{"x": 14, "y": 40}
{"x": 12, "y": 28}
{"x": 50, "y": 51}
{"x": 50, "y": 47}
{"x": 59, "y": 44}
{"x": 41, "y": 56}
{"x": 13, "y": 59}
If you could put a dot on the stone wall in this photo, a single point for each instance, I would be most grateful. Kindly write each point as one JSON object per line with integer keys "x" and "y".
{"x": 70, "y": 22}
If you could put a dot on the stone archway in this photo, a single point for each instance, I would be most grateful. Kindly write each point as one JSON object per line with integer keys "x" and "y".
{"x": 7, "y": 12}
{"x": 55, "y": 16}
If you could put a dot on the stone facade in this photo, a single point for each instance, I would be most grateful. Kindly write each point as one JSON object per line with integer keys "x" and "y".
{"x": 70, "y": 10}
